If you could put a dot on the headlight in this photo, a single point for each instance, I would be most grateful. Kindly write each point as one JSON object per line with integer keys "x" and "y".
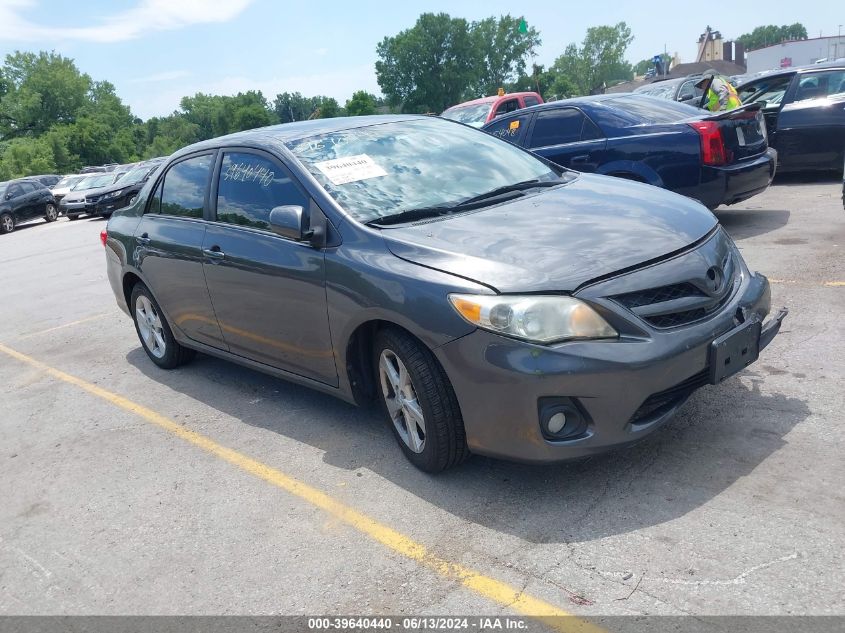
{"x": 541, "y": 319}
{"x": 113, "y": 194}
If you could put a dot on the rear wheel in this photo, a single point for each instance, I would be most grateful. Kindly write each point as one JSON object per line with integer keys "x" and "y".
{"x": 51, "y": 214}
{"x": 154, "y": 331}
{"x": 419, "y": 402}
{"x": 7, "y": 223}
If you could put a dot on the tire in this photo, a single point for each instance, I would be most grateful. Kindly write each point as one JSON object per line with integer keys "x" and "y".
{"x": 440, "y": 442}
{"x": 51, "y": 213}
{"x": 7, "y": 223}
{"x": 154, "y": 332}
{"x": 72, "y": 216}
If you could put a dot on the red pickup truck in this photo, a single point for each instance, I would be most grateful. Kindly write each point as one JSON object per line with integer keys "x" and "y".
{"x": 480, "y": 111}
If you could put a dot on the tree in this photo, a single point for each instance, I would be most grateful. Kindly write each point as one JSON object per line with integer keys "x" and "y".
{"x": 766, "y": 35}
{"x": 326, "y": 108}
{"x": 599, "y": 61}
{"x": 39, "y": 90}
{"x": 361, "y": 103}
{"x": 428, "y": 67}
{"x": 502, "y": 52}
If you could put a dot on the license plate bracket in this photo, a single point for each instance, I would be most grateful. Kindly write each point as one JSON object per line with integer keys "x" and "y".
{"x": 734, "y": 351}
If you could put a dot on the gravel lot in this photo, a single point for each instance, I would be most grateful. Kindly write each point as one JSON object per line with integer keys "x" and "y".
{"x": 736, "y": 507}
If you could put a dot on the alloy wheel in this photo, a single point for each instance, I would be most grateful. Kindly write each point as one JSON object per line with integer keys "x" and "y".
{"x": 52, "y": 214}
{"x": 8, "y": 223}
{"x": 149, "y": 327}
{"x": 402, "y": 402}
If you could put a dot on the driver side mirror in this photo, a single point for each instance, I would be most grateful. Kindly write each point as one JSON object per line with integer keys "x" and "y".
{"x": 9, "y": 196}
{"x": 289, "y": 221}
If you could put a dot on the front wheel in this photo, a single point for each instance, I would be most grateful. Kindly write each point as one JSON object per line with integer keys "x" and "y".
{"x": 51, "y": 214}
{"x": 154, "y": 331}
{"x": 7, "y": 223}
{"x": 419, "y": 402}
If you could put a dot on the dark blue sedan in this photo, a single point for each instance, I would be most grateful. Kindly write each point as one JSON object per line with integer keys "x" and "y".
{"x": 718, "y": 159}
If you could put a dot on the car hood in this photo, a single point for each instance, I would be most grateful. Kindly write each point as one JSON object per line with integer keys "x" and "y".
{"x": 558, "y": 239}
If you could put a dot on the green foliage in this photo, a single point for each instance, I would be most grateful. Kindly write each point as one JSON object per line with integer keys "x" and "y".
{"x": 597, "y": 63}
{"x": 502, "y": 50}
{"x": 361, "y": 103}
{"x": 428, "y": 67}
{"x": 767, "y": 35}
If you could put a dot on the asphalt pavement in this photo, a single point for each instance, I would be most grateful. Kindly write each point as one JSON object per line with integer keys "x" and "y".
{"x": 214, "y": 489}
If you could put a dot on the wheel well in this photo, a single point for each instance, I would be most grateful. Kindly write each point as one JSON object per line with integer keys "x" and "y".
{"x": 129, "y": 281}
{"x": 627, "y": 175}
{"x": 359, "y": 358}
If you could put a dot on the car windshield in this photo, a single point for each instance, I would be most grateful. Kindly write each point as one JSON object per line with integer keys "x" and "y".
{"x": 67, "y": 181}
{"x": 134, "y": 175}
{"x": 422, "y": 163}
{"x": 663, "y": 90}
{"x": 92, "y": 182}
{"x": 474, "y": 115}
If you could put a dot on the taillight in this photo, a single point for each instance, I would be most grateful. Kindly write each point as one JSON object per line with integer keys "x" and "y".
{"x": 104, "y": 235}
{"x": 713, "y": 150}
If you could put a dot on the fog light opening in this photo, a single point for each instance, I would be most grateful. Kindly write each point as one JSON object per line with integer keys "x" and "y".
{"x": 561, "y": 419}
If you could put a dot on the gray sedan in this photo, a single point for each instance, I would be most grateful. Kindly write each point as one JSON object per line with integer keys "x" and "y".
{"x": 491, "y": 302}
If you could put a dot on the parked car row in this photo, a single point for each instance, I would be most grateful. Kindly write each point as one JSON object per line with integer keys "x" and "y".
{"x": 804, "y": 108}
{"x": 95, "y": 192}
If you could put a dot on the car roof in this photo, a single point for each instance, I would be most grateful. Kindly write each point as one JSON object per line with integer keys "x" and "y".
{"x": 492, "y": 99}
{"x": 799, "y": 70}
{"x": 287, "y": 132}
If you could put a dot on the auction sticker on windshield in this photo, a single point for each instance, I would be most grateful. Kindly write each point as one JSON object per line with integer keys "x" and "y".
{"x": 350, "y": 169}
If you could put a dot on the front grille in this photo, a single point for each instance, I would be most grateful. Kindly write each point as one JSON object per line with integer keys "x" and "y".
{"x": 682, "y": 303}
{"x": 658, "y": 295}
{"x": 658, "y": 403}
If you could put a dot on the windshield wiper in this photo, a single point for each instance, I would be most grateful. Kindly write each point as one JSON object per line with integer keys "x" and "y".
{"x": 500, "y": 191}
{"x": 481, "y": 200}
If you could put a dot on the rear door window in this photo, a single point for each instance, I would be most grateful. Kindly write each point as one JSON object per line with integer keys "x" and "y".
{"x": 512, "y": 128}
{"x": 530, "y": 101}
{"x": 556, "y": 127}
{"x": 823, "y": 84}
{"x": 183, "y": 187}
{"x": 250, "y": 186}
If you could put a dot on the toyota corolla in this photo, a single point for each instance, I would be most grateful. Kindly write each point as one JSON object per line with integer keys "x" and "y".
{"x": 490, "y": 301}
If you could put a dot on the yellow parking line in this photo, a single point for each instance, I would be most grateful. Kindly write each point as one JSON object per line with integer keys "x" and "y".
{"x": 64, "y": 325}
{"x": 497, "y": 591}
{"x": 829, "y": 284}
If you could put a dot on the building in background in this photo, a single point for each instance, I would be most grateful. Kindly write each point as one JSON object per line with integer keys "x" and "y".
{"x": 796, "y": 53}
{"x": 712, "y": 48}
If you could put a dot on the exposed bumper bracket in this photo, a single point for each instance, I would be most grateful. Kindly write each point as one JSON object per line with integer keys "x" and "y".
{"x": 772, "y": 327}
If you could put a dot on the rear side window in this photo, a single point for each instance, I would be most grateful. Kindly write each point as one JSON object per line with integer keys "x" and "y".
{"x": 530, "y": 101}
{"x": 182, "y": 191}
{"x": 507, "y": 106}
{"x": 511, "y": 129}
{"x": 27, "y": 187}
{"x": 555, "y": 127}
{"x": 250, "y": 186}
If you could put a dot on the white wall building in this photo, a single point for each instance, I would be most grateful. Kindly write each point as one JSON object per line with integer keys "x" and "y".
{"x": 795, "y": 53}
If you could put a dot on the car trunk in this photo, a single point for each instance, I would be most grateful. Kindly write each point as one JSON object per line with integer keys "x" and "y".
{"x": 743, "y": 132}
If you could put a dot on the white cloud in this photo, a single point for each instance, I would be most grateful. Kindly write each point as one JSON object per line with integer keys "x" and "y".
{"x": 147, "y": 16}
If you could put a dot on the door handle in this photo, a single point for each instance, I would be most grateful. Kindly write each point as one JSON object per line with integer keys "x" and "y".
{"x": 214, "y": 252}
{"x": 144, "y": 239}
{"x": 583, "y": 158}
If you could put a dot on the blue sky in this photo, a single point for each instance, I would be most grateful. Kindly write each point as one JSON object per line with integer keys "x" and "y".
{"x": 156, "y": 51}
